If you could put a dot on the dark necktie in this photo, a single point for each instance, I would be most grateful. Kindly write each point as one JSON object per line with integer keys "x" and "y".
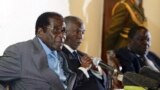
{"x": 76, "y": 61}
{"x": 75, "y": 55}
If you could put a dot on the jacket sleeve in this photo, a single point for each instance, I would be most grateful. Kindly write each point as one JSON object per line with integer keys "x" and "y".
{"x": 10, "y": 65}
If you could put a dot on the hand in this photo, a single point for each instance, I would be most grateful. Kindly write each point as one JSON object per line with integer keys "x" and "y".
{"x": 95, "y": 68}
{"x": 116, "y": 82}
{"x": 86, "y": 61}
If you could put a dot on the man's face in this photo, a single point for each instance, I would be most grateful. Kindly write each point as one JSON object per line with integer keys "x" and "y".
{"x": 55, "y": 35}
{"x": 141, "y": 42}
{"x": 74, "y": 35}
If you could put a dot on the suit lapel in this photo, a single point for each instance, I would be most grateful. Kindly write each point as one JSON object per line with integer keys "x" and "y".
{"x": 71, "y": 76}
{"x": 72, "y": 62}
{"x": 41, "y": 63}
{"x": 104, "y": 79}
{"x": 67, "y": 53}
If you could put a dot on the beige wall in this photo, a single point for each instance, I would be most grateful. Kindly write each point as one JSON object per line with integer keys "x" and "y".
{"x": 90, "y": 11}
{"x": 152, "y": 12}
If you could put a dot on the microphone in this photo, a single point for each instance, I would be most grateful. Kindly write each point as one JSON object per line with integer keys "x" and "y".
{"x": 135, "y": 79}
{"x": 149, "y": 72}
{"x": 98, "y": 61}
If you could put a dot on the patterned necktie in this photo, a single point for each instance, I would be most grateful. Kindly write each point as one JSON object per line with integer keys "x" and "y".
{"x": 76, "y": 60}
{"x": 75, "y": 55}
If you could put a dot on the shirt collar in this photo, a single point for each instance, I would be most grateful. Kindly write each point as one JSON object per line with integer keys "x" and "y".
{"x": 69, "y": 48}
{"x": 45, "y": 47}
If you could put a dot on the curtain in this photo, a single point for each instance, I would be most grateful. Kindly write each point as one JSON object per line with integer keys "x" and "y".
{"x": 108, "y": 5}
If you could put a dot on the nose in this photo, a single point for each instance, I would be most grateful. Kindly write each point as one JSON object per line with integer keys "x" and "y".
{"x": 80, "y": 35}
{"x": 62, "y": 35}
{"x": 146, "y": 43}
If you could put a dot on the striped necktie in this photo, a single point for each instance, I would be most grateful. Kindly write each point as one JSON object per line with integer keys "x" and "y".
{"x": 76, "y": 55}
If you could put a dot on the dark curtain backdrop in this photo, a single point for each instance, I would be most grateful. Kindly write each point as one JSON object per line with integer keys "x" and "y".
{"x": 108, "y": 5}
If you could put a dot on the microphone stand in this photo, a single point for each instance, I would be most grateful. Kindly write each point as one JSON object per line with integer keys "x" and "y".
{"x": 112, "y": 76}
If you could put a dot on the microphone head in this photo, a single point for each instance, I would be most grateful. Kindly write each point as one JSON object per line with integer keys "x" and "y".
{"x": 96, "y": 61}
{"x": 131, "y": 78}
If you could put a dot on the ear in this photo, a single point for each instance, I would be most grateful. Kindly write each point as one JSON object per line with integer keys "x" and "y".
{"x": 40, "y": 32}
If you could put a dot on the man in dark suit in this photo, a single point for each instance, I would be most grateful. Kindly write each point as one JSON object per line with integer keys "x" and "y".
{"x": 137, "y": 54}
{"x": 79, "y": 62}
{"x": 38, "y": 64}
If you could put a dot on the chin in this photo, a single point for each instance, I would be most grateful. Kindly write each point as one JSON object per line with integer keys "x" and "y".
{"x": 59, "y": 48}
{"x": 142, "y": 54}
{"x": 75, "y": 48}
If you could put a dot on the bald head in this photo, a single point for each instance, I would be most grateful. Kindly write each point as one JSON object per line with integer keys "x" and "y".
{"x": 72, "y": 21}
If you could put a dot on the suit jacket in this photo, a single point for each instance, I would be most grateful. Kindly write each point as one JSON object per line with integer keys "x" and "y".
{"x": 83, "y": 83}
{"x": 121, "y": 22}
{"x": 131, "y": 62}
{"x": 24, "y": 65}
